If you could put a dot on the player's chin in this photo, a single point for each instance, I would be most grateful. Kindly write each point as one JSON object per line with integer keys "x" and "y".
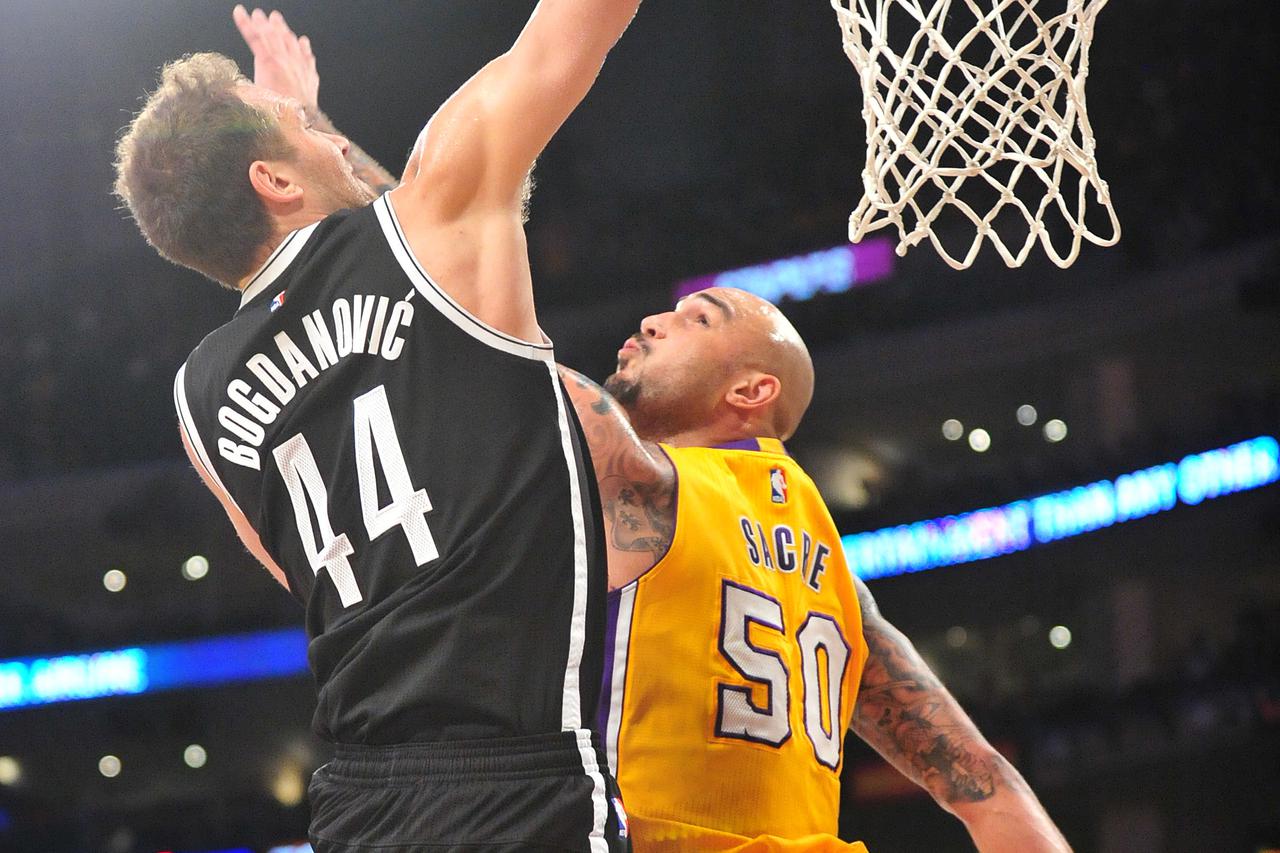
{"x": 366, "y": 193}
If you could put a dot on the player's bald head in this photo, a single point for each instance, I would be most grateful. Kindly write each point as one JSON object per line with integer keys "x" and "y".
{"x": 723, "y": 364}
{"x": 766, "y": 341}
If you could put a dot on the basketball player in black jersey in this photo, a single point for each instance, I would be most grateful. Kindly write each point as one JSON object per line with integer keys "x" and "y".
{"x": 383, "y": 423}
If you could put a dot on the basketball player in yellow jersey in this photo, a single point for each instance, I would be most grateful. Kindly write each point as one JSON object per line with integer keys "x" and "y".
{"x": 741, "y": 646}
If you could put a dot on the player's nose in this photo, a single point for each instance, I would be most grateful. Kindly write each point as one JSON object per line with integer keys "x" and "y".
{"x": 654, "y": 326}
{"x": 344, "y": 144}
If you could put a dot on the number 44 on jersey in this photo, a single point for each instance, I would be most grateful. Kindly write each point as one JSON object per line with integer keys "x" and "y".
{"x": 374, "y": 428}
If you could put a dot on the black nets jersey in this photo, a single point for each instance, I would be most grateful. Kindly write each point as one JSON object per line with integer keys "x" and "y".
{"x": 423, "y": 482}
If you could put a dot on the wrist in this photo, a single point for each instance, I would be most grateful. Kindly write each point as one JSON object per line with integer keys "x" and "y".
{"x": 1010, "y": 822}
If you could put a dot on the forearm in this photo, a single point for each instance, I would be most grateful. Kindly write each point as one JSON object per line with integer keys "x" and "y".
{"x": 925, "y": 734}
{"x": 365, "y": 167}
{"x": 906, "y": 714}
{"x": 574, "y": 32}
{"x": 911, "y": 719}
{"x": 1012, "y": 820}
{"x": 480, "y": 145}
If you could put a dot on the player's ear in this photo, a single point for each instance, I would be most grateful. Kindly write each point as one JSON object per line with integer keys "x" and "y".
{"x": 275, "y": 186}
{"x": 754, "y": 391}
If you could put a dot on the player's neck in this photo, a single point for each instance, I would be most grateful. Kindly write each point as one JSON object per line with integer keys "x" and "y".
{"x": 284, "y": 226}
{"x": 714, "y": 435}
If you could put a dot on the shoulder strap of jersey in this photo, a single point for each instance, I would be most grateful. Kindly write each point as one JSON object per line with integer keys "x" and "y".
{"x": 443, "y": 302}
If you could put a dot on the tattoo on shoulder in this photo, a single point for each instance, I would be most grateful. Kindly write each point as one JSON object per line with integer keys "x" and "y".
{"x": 602, "y": 405}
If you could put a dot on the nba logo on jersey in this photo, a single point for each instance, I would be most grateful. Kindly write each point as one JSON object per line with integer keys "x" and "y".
{"x": 622, "y": 817}
{"x": 277, "y": 301}
{"x": 778, "y": 485}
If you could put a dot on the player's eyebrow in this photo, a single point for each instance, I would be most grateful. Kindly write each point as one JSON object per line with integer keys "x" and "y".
{"x": 716, "y": 301}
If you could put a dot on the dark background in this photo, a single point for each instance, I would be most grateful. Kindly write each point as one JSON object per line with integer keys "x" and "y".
{"x": 719, "y": 134}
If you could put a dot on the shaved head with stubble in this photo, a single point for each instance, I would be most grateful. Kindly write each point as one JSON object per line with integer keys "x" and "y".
{"x": 722, "y": 366}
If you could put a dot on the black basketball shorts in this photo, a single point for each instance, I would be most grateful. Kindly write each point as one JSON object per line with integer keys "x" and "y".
{"x": 536, "y": 793}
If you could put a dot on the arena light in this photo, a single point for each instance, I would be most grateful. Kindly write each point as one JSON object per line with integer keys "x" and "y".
{"x": 289, "y": 785}
{"x": 979, "y": 440}
{"x": 804, "y": 276}
{"x": 195, "y": 567}
{"x": 1055, "y": 430}
{"x": 26, "y": 682}
{"x": 1016, "y": 526}
{"x": 195, "y": 756}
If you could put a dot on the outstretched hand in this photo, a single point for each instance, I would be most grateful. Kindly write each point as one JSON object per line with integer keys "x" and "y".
{"x": 282, "y": 61}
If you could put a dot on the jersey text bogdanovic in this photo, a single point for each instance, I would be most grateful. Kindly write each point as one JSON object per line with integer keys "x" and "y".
{"x": 364, "y": 324}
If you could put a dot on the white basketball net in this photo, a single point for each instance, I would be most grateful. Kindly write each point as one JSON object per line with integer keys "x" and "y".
{"x": 990, "y": 93}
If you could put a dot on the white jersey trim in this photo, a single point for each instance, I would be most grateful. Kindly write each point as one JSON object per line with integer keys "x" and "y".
{"x": 571, "y": 708}
{"x": 618, "y": 678}
{"x": 279, "y": 261}
{"x": 599, "y": 802}
{"x": 443, "y": 302}
{"x": 193, "y": 434}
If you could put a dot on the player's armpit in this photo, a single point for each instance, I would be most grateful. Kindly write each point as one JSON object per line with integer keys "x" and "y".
{"x": 636, "y": 480}
{"x": 911, "y": 719}
{"x": 244, "y": 529}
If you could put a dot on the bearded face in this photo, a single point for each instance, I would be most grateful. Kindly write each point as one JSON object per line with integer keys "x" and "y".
{"x": 666, "y": 390}
{"x": 625, "y": 391}
{"x": 685, "y": 373}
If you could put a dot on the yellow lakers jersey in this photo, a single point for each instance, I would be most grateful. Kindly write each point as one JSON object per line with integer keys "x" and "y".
{"x": 732, "y": 665}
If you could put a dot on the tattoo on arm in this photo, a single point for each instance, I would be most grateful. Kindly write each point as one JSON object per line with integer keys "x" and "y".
{"x": 638, "y": 514}
{"x": 365, "y": 167}
{"x": 637, "y": 483}
{"x": 911, "y": 719}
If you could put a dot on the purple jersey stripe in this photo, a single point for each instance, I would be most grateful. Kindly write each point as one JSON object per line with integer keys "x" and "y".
{"x": 740, "y": 444}
{"x": 606, "y": 675}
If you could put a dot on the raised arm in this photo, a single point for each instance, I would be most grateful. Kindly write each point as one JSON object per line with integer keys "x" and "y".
{"x": 905, "y": 712}
{"x": 284, "y": 63}
{"x": 477, "y": 149}
{"x": 636, "y": 479}
{"x": 462, "y": 190}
